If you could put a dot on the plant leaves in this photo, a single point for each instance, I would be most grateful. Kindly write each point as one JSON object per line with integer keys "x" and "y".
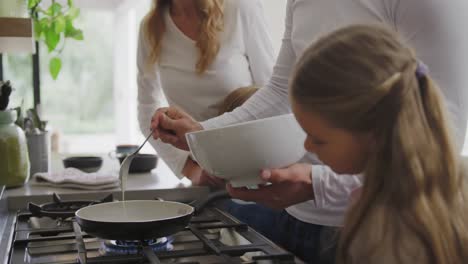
{"x": 55, "y": 9}
{"x": 55, "y": 65}
{"x": 73, "y": 12}
{"x": 44, "y": 22}
{"x": 47, "y": 12}
{"x": 34, "y": 117}
{"x": 54, "y": 21}
{"x": 37, "y": 29}
{"x": 71, "y": 31}
{"x": 32, "y": 3}
{"x": 78, "y": 34}
{"x": 69, "y": 28}
{"x": 60, "y": 24}
{"x": 52, "y": 39}
{"x": 20, "y": 120}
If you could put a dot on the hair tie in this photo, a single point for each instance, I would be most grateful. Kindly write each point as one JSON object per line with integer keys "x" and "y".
{"x": 422, "y": 70}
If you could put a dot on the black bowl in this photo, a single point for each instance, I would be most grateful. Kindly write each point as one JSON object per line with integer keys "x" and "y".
{"x": 142, "y": 163}
{"x": 86, "y": 164}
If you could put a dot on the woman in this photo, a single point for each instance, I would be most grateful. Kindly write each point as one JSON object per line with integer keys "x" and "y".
{"x": 367, "y": 105}
{"x": 196, "y": 53}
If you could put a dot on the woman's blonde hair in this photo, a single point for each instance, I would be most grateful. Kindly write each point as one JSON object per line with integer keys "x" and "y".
{"x": 363, "y": 79}
{"x": 236, "y": 98}
{"x": 208, "y": 43}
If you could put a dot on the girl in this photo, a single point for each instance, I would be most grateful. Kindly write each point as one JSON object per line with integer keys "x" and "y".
{"x": 367, "y": 105}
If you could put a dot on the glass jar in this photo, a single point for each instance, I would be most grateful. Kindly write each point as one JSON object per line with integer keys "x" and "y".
{"x": 14, "y": 159}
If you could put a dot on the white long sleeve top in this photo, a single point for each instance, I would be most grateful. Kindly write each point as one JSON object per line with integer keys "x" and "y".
{"x": 246, "y": 57}
{"x": 433, "y": 28}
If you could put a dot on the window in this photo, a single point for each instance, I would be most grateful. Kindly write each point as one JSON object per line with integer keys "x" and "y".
{"x": 80, "y": 101}
{"x": 92, "y": 104}
{"x": 18, "y": 69}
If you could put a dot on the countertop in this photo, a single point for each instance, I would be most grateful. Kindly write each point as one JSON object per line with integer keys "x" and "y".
{"x": 160, "y": 182}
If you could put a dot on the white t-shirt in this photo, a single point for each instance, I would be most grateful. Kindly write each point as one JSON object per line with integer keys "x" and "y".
{"x": 434, "y": 28}
{"x": 246, "y": 57}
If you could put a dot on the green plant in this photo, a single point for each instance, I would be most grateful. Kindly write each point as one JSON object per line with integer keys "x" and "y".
{"x": 28, "y": 120}
{"x": 31, "y": 123}
{"x": 53, "y": 26}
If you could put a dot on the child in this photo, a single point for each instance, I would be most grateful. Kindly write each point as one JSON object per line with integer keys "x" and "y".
{"x": 368, "y": 106}
{"x": 235, "y": 99}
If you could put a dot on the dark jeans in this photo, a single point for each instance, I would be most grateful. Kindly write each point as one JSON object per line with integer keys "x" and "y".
{"x": 311, "y": 243}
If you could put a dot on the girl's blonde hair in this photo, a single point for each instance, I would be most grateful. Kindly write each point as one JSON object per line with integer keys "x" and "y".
{"x": 208, "y": 44}
{"x": 236, "y": 98}
{"x": 363, "y": 79}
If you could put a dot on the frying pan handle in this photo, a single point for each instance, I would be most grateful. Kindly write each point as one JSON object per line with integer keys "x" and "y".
{"x": 214, "y": 196}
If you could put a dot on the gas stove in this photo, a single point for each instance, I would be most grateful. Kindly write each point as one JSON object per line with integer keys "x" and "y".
{"x": 213, "y": 236}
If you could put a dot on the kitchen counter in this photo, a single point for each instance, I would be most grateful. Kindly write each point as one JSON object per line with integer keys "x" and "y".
{"x": 160, "y": 182}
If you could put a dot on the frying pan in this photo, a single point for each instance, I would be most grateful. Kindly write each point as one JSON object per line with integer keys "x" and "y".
{"x": 140, "y": 220}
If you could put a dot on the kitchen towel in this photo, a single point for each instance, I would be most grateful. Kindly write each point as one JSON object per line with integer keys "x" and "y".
{"x": 76, "y": 179}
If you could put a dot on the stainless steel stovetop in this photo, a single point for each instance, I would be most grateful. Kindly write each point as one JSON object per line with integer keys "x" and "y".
{"x": 213, "y": 236}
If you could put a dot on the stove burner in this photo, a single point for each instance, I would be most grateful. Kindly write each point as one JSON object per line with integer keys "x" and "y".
{"x": 122, "y": 247}
{"x": 62, "y": 209}
{"x": 203, "y": 241}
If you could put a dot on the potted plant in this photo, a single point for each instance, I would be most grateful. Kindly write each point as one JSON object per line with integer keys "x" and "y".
{"x": 53, "y": 25}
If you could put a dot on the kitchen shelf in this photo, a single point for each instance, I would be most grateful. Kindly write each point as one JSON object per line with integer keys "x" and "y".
{"x": 15, "y": 27}
{"x": 16, "y": 35}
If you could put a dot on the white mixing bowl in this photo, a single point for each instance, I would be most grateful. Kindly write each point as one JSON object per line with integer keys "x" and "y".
{"x": 238, "y": 153}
